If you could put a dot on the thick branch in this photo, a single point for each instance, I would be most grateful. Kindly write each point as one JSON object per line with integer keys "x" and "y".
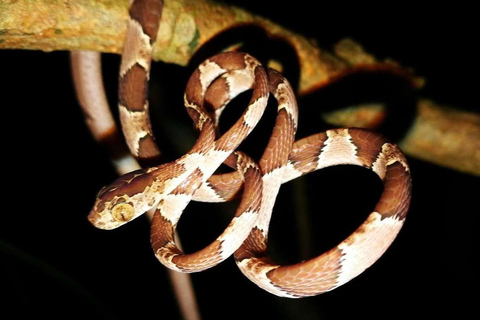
{"x": 100, "y": 25}
{"x": 445, "y": 136}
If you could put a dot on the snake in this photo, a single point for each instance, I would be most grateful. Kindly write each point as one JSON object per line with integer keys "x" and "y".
{"x": 169, "y": 187}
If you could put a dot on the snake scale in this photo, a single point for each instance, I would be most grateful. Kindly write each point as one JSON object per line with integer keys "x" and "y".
{"x": 168, "y": 188}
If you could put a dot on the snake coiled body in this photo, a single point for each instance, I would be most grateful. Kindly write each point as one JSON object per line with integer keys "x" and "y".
{"x": 168, "y": 188}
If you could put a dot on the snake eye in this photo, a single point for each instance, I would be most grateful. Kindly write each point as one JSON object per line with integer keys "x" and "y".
{"x": 123, "y": 212}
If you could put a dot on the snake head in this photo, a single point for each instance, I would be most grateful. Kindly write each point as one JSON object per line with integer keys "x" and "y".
{"x": 122, "y": 201}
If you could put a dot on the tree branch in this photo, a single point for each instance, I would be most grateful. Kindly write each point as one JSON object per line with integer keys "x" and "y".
{"x": 99, "y": 25}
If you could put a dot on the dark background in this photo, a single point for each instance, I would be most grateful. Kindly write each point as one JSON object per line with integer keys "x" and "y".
{"x": 53, "y": 262}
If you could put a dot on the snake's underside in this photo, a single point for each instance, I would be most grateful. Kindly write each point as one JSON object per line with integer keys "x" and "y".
{"x": 169, "y": 187}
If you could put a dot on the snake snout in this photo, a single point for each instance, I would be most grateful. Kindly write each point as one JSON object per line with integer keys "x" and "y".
{"x": 101, "y": 221}
{"x": 95, "y": 219}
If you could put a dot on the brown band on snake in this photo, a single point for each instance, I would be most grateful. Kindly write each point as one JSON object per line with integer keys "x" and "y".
{"x": 220, "y": 188}
{"x": 189, "y": 185}
{"x": 132, "y": 91}
{"x": 319, "y": 275}
{"x": 281, "y": 141}
{"x": 254, "y": 246}
{"x": 369, "y": 145}
{"x": 252, "y": 186}
{"x": 217, "y": 95}
{"x": 396, "y": 198}
{"x": 148, "y": 14}
{"x": 305, "y": 152}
